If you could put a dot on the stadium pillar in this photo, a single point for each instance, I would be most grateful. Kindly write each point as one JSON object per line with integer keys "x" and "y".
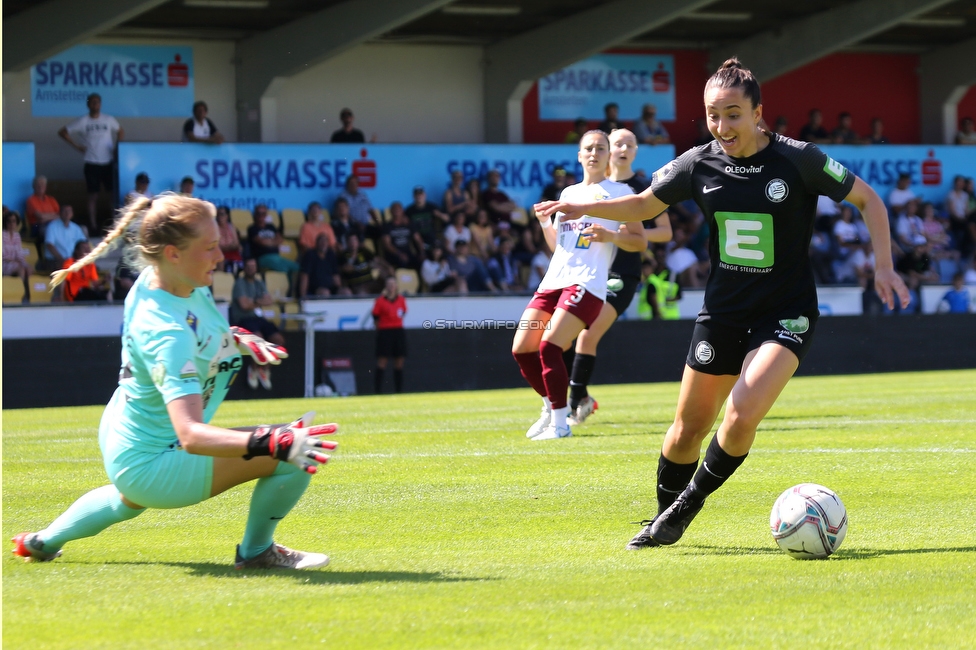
{"x": 778, "y": 51}
{"x": 944, "y": 78}
{"x": 513, "y": 65}
{"x": 291, "y": 48}
{"x": 47, "y": 28}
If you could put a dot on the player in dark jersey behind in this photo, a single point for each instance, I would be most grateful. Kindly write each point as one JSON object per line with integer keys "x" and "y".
{"x": 625, "y": 275}
{"x": 759, "y": 192}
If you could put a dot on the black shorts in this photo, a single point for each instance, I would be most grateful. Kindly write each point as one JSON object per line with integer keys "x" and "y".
{"x": 259, "y": 325}
{"x": 620, "y": 300}
{"x": 99, "y": 175}
{"x": 718, "y": 349}
{"x": 391, "y": 343}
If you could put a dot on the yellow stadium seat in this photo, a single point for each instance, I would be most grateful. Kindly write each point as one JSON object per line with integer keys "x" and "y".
{"x": 520, "y": 217}
{"x": 30, "y": 252}
{"x": 39, "y": 288}
{"x": 273, "y": 218}
{"x": 369, "y": 245}
{"x": 13, "y": 289}
{"x": 223, "y": 285}
{"x": 241, "y": 219}
{"x": 292, "y": 220}
{"x": 408, "y": 281}
{"x": 387, "y": 215}
{"x": 277, "y": 284}
{"x": 289, "y": 249}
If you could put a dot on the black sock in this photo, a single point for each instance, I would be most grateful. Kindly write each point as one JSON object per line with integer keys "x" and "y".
{"x": 398, "y": 380}
{"x": 378, "y": 380}
{"x": 580, "y": 377}
{"x": 672, "y": 479}
{"x": 717, "y": 467}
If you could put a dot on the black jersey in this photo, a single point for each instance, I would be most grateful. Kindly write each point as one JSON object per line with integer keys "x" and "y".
{"x": 627, "y": 263}
{"x": 761, "y": 211}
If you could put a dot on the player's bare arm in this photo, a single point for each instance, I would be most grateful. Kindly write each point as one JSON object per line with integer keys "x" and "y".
{"x": 629, "y": 237}
{"x": 661, "y": 230}
{"x": 887, "y": 283}
{"x": 635, "y": 207}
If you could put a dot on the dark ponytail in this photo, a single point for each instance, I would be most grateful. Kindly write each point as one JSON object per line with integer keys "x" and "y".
{"x": 732, "y": 74}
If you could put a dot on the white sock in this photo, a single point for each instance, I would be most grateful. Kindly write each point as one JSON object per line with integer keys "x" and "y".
{"x": 548, "y": 404}
{"x": 559, "y": 416}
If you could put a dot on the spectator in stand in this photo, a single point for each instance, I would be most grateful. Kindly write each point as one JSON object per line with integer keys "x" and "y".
{"x": 230, "y": 241}
{"x": 915, "y": 268}
{"x": 781, "y": 125}
{"x": 455, "y": 232}
{"x": 187, "y": 185}
{"x": 42, "y": 208}
{"x": 901, "y": 194}
{"x": 474, "y": 191}
{"x": 315, "y": 225}
{"x": 936, "y": 234}
{"x": 538, "y": 268}
{"x": 348, "y": 133}
{"x": 343, "y": 224}
{"x": 503, "y": 268}
{"x": 96, "y": 135}
{"x": 647, "y": 129}
{"x": 579, "y": 128}
{"x": 528, "y": 243}
{"x": 142, "y": 189}
{"x": 199, "y": 128}
{"x": 471, "y": 272}
{"x": 877, "y": 132}
{"x": 391, "y": 339}
{"x": 850, "y": 264}
{"x": 967, "y": 131}
{"x": 844, "y": 133}
{"x": 552, "y": 191}
{"x": 704, "y": 135}
{"x": 360, "y": 209}
{"x": 822, "y": 257}
{"x": 436, "y": 272}
{"x": 683, "y": 262}
{"x": 957, "y": 207}
{"x": 482, "y": 236}
{"x": 357, "y": 265}
{"x": 426, "y": 220}
{"x": 497, "y": 203}
{"x": 456, "y": 198}
{"x": 611, "y": 120}
{"x": 957, "y": 300}
{"x": 265, "y": 241}
{"x": 247, "y": 299}
{"x": 85, "y": 284}
{"x": 909, "y": 229}
{"x": 319, "y": 274}
{"x": 814, "y": 131}
{"x": 398, "y": 242}
{"x": 14, "y": 261}
{"x": 60, "y": 240}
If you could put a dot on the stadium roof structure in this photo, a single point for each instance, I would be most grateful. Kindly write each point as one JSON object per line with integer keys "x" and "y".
{"x": 523, "y": 39}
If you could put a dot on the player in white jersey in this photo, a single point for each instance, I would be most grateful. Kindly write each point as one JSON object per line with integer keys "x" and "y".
{"x": 179, "y": 358}
{"x": 574, "y": 288}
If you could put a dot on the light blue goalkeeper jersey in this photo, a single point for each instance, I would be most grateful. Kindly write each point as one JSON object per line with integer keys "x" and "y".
{"x": 171, "y": 347}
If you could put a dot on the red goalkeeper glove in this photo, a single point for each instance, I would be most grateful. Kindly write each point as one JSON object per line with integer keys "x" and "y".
{"x": 255, "y": 346}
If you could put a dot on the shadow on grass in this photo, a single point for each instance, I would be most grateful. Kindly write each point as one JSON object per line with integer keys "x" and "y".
{"x": 843, "y": 554}
{"x": 323, "y": 577}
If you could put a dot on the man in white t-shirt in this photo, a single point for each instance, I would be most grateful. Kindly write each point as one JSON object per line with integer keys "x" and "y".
{"x": 200, "y": 128}
{"x": 96, "y": 135}
{"x": 901, "y": 194}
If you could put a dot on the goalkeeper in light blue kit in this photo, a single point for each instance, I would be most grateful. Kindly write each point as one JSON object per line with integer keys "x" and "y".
{"x": 179, "y": 357}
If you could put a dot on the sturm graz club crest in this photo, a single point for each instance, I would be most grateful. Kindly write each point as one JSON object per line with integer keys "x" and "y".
{"x": 704, "y": 353}
{"x": 777, "y": 190}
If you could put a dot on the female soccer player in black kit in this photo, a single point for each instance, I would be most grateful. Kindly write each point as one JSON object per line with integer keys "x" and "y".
{"x": 759, "y": 191}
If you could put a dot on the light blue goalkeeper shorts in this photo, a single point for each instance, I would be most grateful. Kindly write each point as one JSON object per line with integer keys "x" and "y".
{"x": 168, "y": 479}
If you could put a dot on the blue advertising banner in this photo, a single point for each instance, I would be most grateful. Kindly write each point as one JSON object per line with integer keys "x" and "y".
{"x": 293, "y": 175}
{"x": 931, "y": 167}
{"x": 630, "y": 80}
{"x": 18, "y": 174}
{"x": 133, "y": 80}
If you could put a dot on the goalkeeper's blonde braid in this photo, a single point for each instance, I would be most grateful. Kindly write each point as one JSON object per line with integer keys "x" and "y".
{"x": 133, "y": 211}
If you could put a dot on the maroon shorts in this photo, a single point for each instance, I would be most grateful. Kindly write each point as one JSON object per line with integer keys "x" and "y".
{"x": 575, "y": 299}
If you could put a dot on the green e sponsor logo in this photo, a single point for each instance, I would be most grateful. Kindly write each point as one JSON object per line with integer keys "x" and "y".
{"x": 835, "y": 170}
{"x": 745, "y": 238}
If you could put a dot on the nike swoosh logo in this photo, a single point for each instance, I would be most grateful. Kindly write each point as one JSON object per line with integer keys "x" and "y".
{"x": 706, "y": 189}
{"x": 276, "y": 518}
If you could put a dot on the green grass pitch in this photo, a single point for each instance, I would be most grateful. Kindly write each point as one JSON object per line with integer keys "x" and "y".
{"x": 447, "y": 528}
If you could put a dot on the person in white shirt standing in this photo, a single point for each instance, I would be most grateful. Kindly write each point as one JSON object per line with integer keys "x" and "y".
{"x": 96, "y": 135}
{"x": 574, "y": 289}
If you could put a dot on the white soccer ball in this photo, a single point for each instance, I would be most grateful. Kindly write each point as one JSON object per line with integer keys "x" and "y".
{"x": 324, "y": 390}
{"x": 808, "y": 521}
